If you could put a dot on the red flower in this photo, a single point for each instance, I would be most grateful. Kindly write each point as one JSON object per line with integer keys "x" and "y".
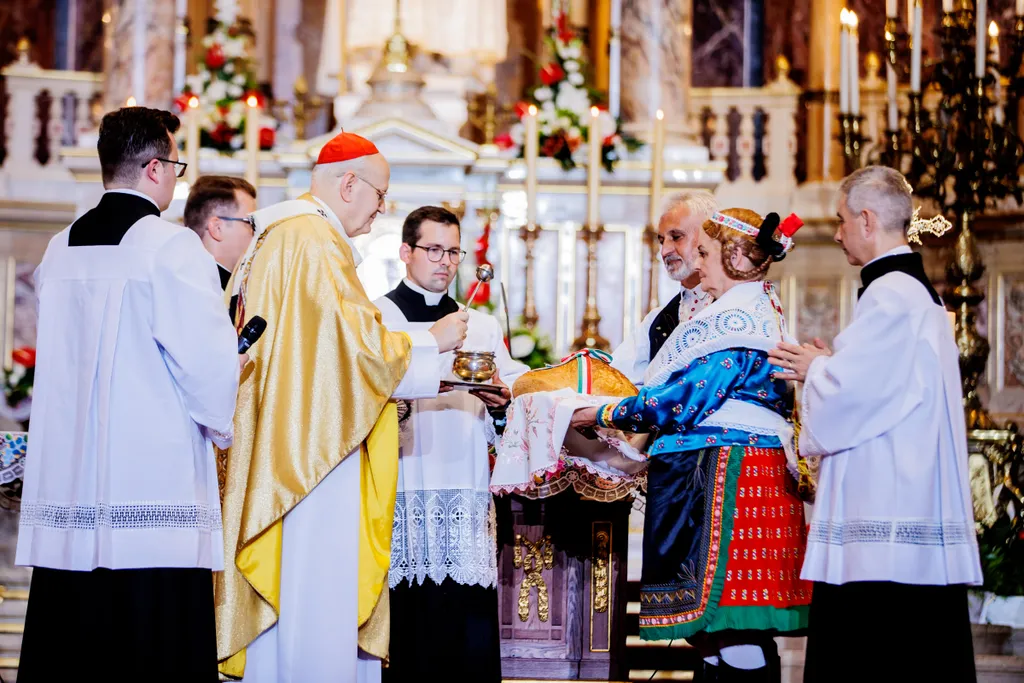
{"x": 562, "y": 25}
{"x": 482, "y": 295}
{"x": 24, "y": 356}
{"x": 266, "y": 138}
{"x": 522, "y": 109}
{"x": 552, "y": 145}
{"x": 214, "y": 57}
{"x": 222, "y": 134}
{"x": 551, "y": 73}
{"x": 181, "y": 102}
{"x": 504, "y": 141}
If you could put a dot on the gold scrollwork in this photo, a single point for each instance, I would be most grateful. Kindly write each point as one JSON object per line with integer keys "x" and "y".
{"x": 601, "y": 572}
{"x": 539, "y": 556}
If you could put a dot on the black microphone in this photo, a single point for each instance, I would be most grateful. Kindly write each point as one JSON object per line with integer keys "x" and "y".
{"x": 251, "y": 332}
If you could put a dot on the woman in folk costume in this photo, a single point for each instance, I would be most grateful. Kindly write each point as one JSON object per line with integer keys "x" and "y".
{"x": 724, "y": 532}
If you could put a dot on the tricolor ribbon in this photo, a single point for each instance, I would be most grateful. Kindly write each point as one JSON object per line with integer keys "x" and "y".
{"x": 584, "y": 371}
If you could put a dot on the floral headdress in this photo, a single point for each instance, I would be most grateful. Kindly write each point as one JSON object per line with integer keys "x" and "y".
{"x": 775, "y": 237}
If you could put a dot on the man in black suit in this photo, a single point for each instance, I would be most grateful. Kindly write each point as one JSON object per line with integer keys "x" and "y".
{"x": 217, "y": 209}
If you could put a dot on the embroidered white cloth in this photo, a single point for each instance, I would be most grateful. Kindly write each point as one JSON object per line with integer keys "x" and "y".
{"x": 137, "y": 367}
{"x": 538, "y": 443}
{"x": 884, "y": 410}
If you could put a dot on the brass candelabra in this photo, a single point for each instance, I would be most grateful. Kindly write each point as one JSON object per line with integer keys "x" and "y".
{"x": 590, "y": 337}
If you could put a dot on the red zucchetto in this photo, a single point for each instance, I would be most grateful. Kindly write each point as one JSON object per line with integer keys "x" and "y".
{"x": 345, "y": 147}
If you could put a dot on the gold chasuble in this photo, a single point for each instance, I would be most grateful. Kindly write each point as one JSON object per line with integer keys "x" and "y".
{"x": 317, "y": 390}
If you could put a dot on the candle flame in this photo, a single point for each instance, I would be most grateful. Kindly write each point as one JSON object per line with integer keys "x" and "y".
{"x": 993, "y": 29}
{"x": 533, "y": 110}
{"x": 844, "y": 17}
{"x": 252, "y": 101}
{"x": 852, "y": 18}
{"x": 660, "y": 115}
{"x": 193, "y": 102}
{"x": 594, "y": 112}
{"x": 130, "y": 102}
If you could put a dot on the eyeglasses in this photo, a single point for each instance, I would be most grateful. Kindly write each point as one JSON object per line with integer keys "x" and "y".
{"x": 247, "y": 221}
{"x": 179, "y": 166}
{"x": 380, "y": 193}
{"x": 435, "y": 254}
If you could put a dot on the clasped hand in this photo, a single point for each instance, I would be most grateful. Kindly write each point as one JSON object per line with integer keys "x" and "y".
{"x": 796, "y": 358}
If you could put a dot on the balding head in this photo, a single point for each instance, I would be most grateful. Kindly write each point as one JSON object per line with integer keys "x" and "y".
{"x": 875, "y": 207}
{"x": 682, "y": 215}
{"x": 354, "y": 190}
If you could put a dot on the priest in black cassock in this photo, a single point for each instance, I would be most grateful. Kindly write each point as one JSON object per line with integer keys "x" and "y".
{"x": 443, "y": 574}
{"x": 681, "y": 220}
{"x": 217, "y": 209}
{"x": 136, "y": 376}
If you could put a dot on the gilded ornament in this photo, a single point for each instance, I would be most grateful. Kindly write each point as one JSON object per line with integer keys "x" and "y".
{"x": 538, "y": 556}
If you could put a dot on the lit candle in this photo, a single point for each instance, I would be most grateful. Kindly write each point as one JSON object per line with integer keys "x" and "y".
{"x": 192, "y": 141}
{"x": 594, "y": 170}
{"x": 854, "y": 65}
{"x": 657, "y": 166}
{"x": 1020, "y": 8}
{"x": 890, "y": 78}
{"x": 947, "y": 5}
{"x": 252, "y": 141}
{"x": 910, "y": 16}
{"x": 890, "y": 8}
{"x": 531, "y": 144}
{"x": 915, "y": 50}
{"x": 980, "y": 44}
{"x": 130, "y": 102}
{"x": 993, "y": 41}
{"x": 844, "y": 62}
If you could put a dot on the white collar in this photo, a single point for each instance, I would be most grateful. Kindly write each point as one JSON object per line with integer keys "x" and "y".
{"x": 431, "y": 298}
{"x": 335, "y": 222}
{"x": 125, "y": 190}
{"x": 902, "y": 249}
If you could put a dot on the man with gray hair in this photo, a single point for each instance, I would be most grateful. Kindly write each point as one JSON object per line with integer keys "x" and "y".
{"x": 681, "y": 219}
{"x": 893, "y": 523}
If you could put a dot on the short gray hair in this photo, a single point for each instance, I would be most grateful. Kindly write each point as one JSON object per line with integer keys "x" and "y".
{"x": 698, "y": 202}
{"x": 883, "y": 191}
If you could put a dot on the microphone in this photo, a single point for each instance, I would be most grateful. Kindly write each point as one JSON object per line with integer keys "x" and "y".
{"x": 251, "y": 332}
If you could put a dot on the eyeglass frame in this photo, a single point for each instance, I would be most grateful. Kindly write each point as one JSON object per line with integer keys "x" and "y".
{"x": 381, "y": 195}
{"x": 246, "y": 220}
{"x": 179, "y": 173}
{"x": 460, "y": 252}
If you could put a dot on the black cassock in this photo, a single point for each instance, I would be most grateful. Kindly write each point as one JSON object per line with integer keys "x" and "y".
{"x": 118, "y": 624}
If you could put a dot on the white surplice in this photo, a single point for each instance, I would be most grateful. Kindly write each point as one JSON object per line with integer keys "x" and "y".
{"x": 443, "y": 513}
{"x": 632, "y": 356}
{"x": 137, "y": 368}
{"x": 316, "y": 636}
{"x": 893, "y": 501}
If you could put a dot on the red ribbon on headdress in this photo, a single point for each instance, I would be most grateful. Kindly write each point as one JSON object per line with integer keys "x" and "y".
{"x": 790, "y": 225}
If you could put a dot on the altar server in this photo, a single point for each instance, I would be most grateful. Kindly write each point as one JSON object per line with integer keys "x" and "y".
{"x": 683, "y": 215}
{"x": 217, "y": 209}
{"x": 443, "y": 578}
{"x": 137, "y": 371}
{"x": 310, "y": 480}
{"x": 893, "y": 523}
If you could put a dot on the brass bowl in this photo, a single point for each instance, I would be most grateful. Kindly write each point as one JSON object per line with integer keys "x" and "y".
{"x": 474, "y": 366}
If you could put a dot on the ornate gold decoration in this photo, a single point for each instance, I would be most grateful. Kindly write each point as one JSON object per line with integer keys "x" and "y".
{"x": 937, "y": 225}
{"x": 539, "y": 556}
{"x": 458, "y": 208}
{"x": 303, "y": 103}
{"x": 23, "y": 47}
{"x": 590, "y": 337}
{"x": 529, "y": 236}
{"x": 600, "y": 569}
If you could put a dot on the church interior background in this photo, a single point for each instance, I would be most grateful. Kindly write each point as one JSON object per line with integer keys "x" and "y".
{"x": 767, "y": 103}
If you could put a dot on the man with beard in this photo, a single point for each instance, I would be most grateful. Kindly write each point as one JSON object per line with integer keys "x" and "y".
{"x": 683, "y": 215}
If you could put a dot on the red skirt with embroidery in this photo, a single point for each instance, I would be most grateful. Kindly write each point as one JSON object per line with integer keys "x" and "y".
{"x": 724, "y": 540}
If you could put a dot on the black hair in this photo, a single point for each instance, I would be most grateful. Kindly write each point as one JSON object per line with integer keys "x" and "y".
{"x": 130, "y": 138}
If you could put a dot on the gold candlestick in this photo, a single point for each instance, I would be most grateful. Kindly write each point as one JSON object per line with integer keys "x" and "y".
{"x": 528, "y": 233}
{"x": 590, "y": 337}
{"x": 651, "y": 238}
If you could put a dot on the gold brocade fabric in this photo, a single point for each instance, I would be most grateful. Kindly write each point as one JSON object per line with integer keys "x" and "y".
{"x": 319, "y": 382}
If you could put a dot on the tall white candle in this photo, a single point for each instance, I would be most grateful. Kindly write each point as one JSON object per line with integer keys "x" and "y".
{"x": 890, "y": 8}
{"x": 894, "y": 115}
{"x": 531, "y": 144}
{"x": 657, "y": 166}
{"x": 980, "y": 43}
{"x": 993, "y": 41}
{"x": 915, "y": 51}
{"x": 854, "y": 66}
{"x": 252, "y": 141}
{"x": 1020, "y": 8}
{"x": 595, "y": 141}
{"x": 947, "y": 6}
{"x": 844, "y": 63}
{"x": 192, "y": 141}
{"x": 910, "y": 16}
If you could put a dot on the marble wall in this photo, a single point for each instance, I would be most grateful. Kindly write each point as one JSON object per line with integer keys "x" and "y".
{"x": 656, "y": 63}
{"x": 139, "y": 53}
{"x": 718, "y": 46}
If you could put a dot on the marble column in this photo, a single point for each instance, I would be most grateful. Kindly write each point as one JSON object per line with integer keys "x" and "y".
{"x": 139, "y": 53}
{"x": 824, "y": 153}
{"x": 656, "y": 62}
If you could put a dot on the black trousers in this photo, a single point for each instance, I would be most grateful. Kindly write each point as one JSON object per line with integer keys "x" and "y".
{"x": 120, "y": 625}
{"x": 446, "y": 632}
{"x": 889, "y": 632}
